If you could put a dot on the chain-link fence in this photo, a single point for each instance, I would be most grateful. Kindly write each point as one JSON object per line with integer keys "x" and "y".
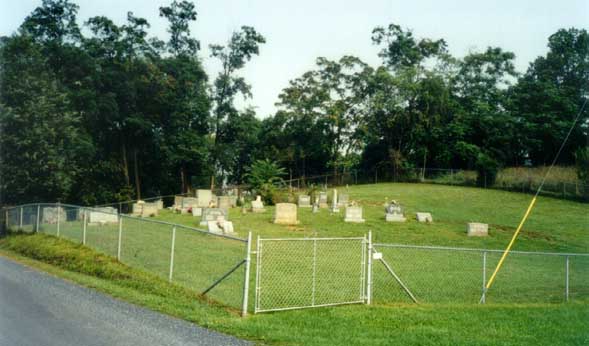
{"x": 458, "y": 275}
{"x": 208, "y": 263}
{"x": 310, "y": 272}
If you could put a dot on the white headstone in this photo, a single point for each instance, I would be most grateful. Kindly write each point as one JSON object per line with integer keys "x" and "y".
{"x": 334, "y": 208}
{"x": 204, "y": 198}
{"x": 178, "y": 201}
{"x": 103, "y": 215}
{"x": 149, "y": 209}
{"x": 50, "y": 215}
{"x": 476, "y": 229}
{"x": 189, "y": 202}
{"x": 224, "y": 202}
{"x": 323, "y": 200}
{"x": 343, "y": 199}
{"x": 353, "y": 214}
{"x": 196, "y": 211}
{"x": 258, "y": 205}
{"x": 304, "y": 201}
{"x": 286, "y": 214}
{"x": 424, "y": 217}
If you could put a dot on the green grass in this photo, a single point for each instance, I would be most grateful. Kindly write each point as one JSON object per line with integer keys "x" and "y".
{"x": 554, "y": 225}
{"x": 402, "y": 324}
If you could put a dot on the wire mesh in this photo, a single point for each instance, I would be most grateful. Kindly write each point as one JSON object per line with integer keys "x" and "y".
{"x": 202, "y": 258}
{"x": 102, "y": 231}
{"x": 454, "y": 275}
{"x": 433, "y": 276}
{"x": 527, "y": 278}
{"x": 578, "y": 278}
{"x": 298, "y": 273}
{"x": 146, "y": 245}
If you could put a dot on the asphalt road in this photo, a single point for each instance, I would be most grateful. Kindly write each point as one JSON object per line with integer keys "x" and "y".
{"x": 40, "y": 310}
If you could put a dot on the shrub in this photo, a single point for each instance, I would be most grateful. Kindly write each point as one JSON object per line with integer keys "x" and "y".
{"x": 487, "y": 169}
{"x": 263, "y": 177}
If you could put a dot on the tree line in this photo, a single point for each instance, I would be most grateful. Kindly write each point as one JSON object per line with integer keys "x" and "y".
{"x": 101, "y": 112}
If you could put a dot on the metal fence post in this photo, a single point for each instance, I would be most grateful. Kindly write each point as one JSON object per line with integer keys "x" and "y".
{"x": 172, "y": 253}
{"x": 258, "y": 269}
{"x": 84, "y": 227}
{"x": 21, "y": 218}
{"x": 58, "y": 209}
{"x": 566, "y": 286}
{"x": 120, "y": 237}
{"x": 246, "y": 278}
{"x": 38, "y": 214}
{"x": 369, "y": 271}
{"x": 314, "y": 272}
{"x": 6, "y": 218}
{"x": 484, "y": 277}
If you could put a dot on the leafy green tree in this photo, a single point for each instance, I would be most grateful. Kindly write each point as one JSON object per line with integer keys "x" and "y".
{"x": 185, "y": 107}
{"x": 41, "y": 144}
{"x": 242, "y": 46}
{"x": 547, "y": 98}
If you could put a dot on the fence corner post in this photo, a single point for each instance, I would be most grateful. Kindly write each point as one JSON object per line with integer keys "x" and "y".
{"x": 246, "y": 282}
{"x": 369, "y": 271}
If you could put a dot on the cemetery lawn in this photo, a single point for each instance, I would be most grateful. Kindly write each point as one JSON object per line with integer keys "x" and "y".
{"x": 554, "y": 225}
{"x": 400, "y": 324}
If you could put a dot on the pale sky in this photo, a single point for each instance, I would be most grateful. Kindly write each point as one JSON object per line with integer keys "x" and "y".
{"x": 299, "y": 31}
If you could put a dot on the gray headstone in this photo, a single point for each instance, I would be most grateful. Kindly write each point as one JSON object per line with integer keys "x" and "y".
{"x": 212, "y": 214}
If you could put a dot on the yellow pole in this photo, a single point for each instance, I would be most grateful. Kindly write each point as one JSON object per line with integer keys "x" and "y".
{"x": 506, "y": 252}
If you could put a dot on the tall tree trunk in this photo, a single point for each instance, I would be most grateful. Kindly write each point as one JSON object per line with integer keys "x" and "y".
{"x": 137, "y": 180}
{"x": 183, "y": 180}
{"x": 125, "y": 164}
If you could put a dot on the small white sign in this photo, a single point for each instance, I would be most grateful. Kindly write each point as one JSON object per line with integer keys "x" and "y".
{"x": 377, "y": 255}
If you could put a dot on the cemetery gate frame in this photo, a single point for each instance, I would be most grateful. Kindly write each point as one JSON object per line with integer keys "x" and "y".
{"x": 295, "y": 273}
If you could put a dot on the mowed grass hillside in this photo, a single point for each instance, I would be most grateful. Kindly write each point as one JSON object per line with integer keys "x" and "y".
{"x": 554, "y": 225}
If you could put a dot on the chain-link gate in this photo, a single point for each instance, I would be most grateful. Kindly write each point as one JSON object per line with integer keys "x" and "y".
{"x": 310, "y": 272}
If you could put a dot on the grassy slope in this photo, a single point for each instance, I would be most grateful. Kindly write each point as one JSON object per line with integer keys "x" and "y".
{"x": 554, "y": 225}
{"x": 349, "y": 325}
